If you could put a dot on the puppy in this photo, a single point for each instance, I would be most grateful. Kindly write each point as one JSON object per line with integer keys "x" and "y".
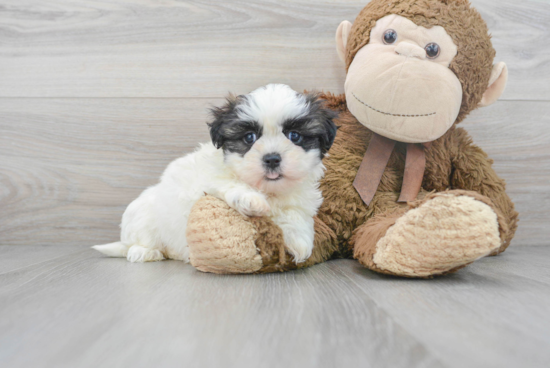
{"x": 264, "y": 160}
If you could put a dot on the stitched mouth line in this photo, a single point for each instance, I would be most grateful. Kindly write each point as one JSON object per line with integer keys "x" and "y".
{"x": 387, "y": 113}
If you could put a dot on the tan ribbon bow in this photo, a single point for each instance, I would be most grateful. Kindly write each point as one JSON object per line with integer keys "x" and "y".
{"x": 374, "y": 163}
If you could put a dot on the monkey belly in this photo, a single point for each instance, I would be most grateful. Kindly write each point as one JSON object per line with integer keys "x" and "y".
{"x": 343, "y": 209}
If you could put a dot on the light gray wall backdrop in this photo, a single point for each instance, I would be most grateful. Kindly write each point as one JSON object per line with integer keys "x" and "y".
{"x": 97, "y": 97}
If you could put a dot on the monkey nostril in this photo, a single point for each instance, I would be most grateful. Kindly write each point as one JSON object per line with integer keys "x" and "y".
{"x": 272, "y": 160}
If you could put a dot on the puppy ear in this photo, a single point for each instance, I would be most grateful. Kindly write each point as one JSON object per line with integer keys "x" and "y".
{"x": 330, "y": 129}
{"x": 221, "y": 115}
{"x": 324, "y": 117}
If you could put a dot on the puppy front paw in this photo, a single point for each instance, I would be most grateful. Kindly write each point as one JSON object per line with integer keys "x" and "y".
{"x": 300, "y": 248}
{"x": 298, "y": 233}
{"x": 251, "y": 204}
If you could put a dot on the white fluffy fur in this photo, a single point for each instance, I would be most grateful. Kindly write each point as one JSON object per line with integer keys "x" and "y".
{"x": 154, "y": 225}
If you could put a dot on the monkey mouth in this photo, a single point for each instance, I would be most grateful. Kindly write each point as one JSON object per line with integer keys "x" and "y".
{"x": 388, "y": 113}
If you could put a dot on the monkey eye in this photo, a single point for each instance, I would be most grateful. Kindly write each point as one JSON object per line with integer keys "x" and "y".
{"x": 432, "y": 50}
{"x": 249, "y": 138}
{"x": 390, "y": 36}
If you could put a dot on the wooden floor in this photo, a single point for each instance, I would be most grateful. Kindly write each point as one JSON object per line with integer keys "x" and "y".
{"x": 97, "y": 97}
{"x": 71, "y": 307}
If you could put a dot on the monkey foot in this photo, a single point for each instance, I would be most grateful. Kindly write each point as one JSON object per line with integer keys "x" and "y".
{"x": 444, "y": 233}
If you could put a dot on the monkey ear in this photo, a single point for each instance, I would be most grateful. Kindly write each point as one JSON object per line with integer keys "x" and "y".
{"x": 497, "y": 83}
{"x": 342, "y": 34}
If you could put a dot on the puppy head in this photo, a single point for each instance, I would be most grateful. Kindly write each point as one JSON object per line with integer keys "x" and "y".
{"x": 274, "y": 137}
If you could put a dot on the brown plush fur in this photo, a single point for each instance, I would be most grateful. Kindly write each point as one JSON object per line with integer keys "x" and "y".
{"x": 472, "y": 65}
{"x": 452, "y": 242}
{"x": 452, "y": 162}
{"x": 365, "y": 238}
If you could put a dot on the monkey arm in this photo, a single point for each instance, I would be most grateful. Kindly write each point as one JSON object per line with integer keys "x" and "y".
{"x": 223, "y": 241}
{"x": 472, "y": 170}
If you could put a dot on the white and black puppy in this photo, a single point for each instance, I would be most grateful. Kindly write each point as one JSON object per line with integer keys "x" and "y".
{"x": 264, "y": 160}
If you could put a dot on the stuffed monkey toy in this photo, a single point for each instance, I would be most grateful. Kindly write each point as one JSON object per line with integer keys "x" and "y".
{"x": 406, "y": 192}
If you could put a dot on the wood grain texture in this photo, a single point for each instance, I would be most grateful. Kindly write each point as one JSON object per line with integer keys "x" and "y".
{"x": 13, "y": 258}
{"x": 69, "y": 167}
{"x": 516, "y": 136}
{"x": 492, "y": 314}
{"x": 146, "y": 48}
{"x": 84, "y": 310}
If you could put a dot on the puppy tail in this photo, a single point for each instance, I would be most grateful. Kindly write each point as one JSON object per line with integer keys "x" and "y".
{"x": 116, "y": 249}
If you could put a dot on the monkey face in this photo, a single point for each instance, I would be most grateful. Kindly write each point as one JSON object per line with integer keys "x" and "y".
{"x": 400, "y": 86}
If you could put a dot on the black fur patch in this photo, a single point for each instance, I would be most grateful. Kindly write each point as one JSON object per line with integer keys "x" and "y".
{"x": 227, "y": 131}
{"x": 317, "y": 127}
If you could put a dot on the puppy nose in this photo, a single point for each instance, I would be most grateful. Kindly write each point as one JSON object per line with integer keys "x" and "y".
{"x": 272, "y": 160}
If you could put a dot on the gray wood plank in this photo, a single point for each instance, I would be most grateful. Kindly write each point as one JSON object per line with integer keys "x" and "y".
{"x": 515, "y": 26}
{"x": 13, "y": 257}
{"x": 516, "y": 136}
{"x": 170, "y": 49}
{"x": 84, "y": 310}
{"x": 494, "y": 313}
{"x": 88, "y": 48}
{"x": 69, "y": 167}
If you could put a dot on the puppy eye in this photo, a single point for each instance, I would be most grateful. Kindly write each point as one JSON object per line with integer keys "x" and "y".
{"x": 250, "y": 138}
{"x": 294, "y": 137}
{"x": 390, "y": 36}
{"x": 432, "y": 50}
